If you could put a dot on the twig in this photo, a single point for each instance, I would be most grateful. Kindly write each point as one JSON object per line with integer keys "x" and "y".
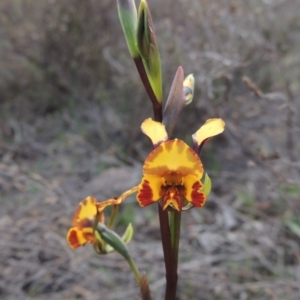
{"x": 253, "y": 87}
{"x": 258, "y": 92}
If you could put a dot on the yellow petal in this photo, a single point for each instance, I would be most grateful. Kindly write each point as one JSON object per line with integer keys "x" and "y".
{"x": 156, "y": 131}
{"x": 149, "y": 190}
{"x": 211, "y": 128}
{"x": 193, "y": 192}
{"x": 85, "y": 210}
{"x": 174, "y": 155}
{"x": 188, "y": 88}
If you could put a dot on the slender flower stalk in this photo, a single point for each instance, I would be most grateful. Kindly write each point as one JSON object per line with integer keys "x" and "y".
{"x": 113, "y": 216}
{"x": 171, "y": 270}
{"x": 175, "y": 225}
{"x": 134, "y": 270}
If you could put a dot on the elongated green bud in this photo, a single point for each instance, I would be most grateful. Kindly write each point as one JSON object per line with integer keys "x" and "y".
{"x": 147, "y": 45}
{"x": 128, "y": 18}
{"x": 143, "y": 31}
{"x": 112, "y": 239}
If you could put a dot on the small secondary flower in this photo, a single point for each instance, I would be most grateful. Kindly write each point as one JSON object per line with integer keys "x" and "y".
{"x": 82, "y": 230}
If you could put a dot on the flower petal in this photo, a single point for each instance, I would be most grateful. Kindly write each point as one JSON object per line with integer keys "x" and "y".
{"x": 79, "y": 237}
{"x": 192, "y": 191}
{"x": 116, "y": 201}
{"x": 174, "y": 155}
{"x": 188, "y": 89}
{"x": 156, "y": 131}
{"x": 149, "y": 190}
{"x": 85, "y": 210}
{"x": 101, "y": 205}
{"x": 210, "y": 128}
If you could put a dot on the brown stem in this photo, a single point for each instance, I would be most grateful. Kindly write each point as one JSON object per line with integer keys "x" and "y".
{"x": 171, "y": 270}
{"x": 157, "y": 106}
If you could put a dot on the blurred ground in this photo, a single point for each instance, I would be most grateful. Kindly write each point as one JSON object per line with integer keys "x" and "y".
{"x": 71, "y": 105}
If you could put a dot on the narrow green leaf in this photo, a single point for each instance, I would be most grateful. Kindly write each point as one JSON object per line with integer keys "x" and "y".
{"x": 128, "y": 18}
{"x": 127, "y": 236}
{"x": 147, "y": 45}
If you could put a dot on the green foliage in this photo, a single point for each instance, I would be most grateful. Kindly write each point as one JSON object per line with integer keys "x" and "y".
{"x": 128, "y": 18}
{"x": 290, "y": 189}
{"x": 148, "y": 48}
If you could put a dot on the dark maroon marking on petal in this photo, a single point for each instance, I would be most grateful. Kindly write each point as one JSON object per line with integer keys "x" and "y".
{"x": 73, "y": 239}
{"x": 176, "y": 197}
{"x": 84, "y": 223}
{"x": 198, "y": 198}
{"x": 145, "y": 195}
{"x": 89, "y": 237}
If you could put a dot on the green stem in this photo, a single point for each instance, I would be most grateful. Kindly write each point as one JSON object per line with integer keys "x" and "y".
{"x": 134, "y": 269}
{"x": 113, "y": 216}
{"x": 175, "y": 222}
{"x": 141, "y": 280}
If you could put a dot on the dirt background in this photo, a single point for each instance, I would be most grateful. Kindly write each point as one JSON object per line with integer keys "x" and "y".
{"x": 71, "y": 105}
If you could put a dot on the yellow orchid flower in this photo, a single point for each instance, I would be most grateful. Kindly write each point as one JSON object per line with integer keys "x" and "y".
{"x": 172, "y": 171}
{"x": 82, "y": 231}
{"x": 83, "y": 222}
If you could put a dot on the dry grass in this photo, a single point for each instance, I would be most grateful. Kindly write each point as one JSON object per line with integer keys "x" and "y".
{"x": 70, "y": 108}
